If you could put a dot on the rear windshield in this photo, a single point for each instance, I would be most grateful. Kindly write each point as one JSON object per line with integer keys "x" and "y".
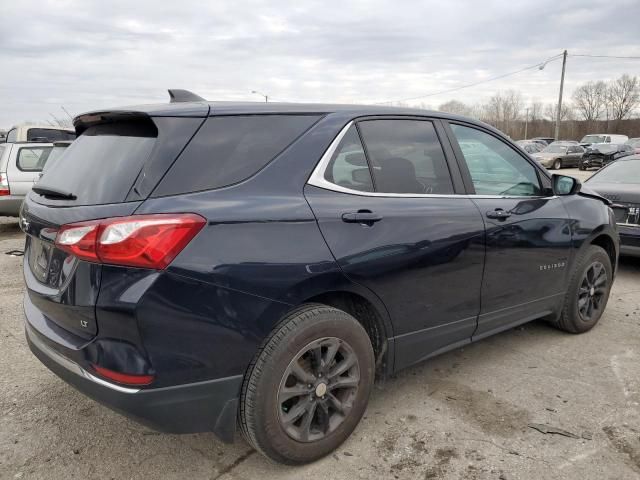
{"x": 102, "y": 164}
{"x": 626, "y": 172}
{"x": 229, "y": 149}
{"x": 48, "y": 135}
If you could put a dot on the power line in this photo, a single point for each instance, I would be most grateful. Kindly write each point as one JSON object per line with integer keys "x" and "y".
{"x": 603, "y": 56}
{"x": 455, "y": 89}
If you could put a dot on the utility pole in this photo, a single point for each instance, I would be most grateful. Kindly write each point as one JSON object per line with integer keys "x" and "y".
{"x": 526, "y": 124}
{"x": 559, "y": 112}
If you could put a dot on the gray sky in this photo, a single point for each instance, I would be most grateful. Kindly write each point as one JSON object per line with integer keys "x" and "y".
{"x": 87, "y": 55}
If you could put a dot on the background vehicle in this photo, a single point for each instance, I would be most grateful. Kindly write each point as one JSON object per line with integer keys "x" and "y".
{"x": 564, "y": 142}
{"x": 20, "y": 167}
{"x": 546, "y": 140}
{"x": 559, "y": 155}
{"x": 594, "y": 138}
{"x": 217, "y": 262}
{"x": 620, "y": 183}
{"x": 3, "y": 136}
{"x": 600, "y": 154}
{"x": 530, "y": 147}
{"x": 635, "y": 144}
{"x": 39, "y": 133}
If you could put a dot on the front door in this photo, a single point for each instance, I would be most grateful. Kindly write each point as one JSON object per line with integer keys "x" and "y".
{"x": 528, "y": 231}
{"x": 394, "y": 224}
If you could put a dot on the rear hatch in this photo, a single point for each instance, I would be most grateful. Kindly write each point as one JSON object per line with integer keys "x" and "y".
{"x": 107, "y": 172}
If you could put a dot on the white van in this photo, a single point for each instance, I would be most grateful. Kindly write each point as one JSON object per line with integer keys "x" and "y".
{"x": 602, "y": 138}
{"x": 39, "y": 133}
{"x": 20, "y": 167}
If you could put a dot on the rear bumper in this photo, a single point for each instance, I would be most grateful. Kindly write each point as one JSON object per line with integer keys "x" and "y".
{"x": 10, "y": 205}
{"x": 195, "y": 407}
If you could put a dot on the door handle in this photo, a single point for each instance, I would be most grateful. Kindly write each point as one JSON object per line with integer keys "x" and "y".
{"x": 365, "y": 217}
{"x": 498, "y": 214}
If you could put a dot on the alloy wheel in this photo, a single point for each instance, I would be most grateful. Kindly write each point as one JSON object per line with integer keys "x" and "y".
{"x": 317, "y": 390}
{"x": 592, "y": 292}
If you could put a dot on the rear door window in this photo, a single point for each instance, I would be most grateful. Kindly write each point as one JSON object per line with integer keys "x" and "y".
{"x": 230, "y": 149}
{"x": 406, "y": 157}
{"x": 32, "y": 159}
{"x": 348, "y": 167}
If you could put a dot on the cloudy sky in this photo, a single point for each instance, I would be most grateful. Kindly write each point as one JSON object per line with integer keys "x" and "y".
{"x": 86, "y": 55}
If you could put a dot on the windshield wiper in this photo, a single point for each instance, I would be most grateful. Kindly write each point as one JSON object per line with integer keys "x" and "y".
{"x": 53, "y": 193}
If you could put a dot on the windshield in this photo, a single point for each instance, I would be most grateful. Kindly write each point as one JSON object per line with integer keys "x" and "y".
{"x": 604, "y": 147}
{"x": 634, "y": 142}
{"x": 592, "y": 139}
{"x": 555, "y": 149}
{"x": 619, "y": 172}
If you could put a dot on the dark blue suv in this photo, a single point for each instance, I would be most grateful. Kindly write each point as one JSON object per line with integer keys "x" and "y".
{"x": 198, "y": 266}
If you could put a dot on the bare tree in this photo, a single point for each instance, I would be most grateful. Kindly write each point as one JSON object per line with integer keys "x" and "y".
{"x": 551, "y": 109}
{"x": 623, "y": 96}
{"x": 590, "y": 100}
{"x": 456, "y": 107}
{"x": 535, "y": 111}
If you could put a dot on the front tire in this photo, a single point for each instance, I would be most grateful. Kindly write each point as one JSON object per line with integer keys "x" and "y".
{"x": 588, "y": 293}
{"x": 308, "y": 386}
{"x": 557, "y": 164}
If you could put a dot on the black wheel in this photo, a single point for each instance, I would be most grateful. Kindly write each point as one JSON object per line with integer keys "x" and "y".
{"x": 308, "y": 386}
{"x": 588, "y": 291}
{"x": 557, "y": 165}
{"x": 581, "y": 167}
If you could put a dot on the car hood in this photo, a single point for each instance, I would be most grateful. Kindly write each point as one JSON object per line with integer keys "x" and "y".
{"x": 587, "y": 191}
{"x": 616, "y": 192}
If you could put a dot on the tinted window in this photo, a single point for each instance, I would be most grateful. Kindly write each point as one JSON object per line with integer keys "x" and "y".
{"x": 348, "y": 166}
{"x": 32, "y": 159}
{"x": 12, "y": 136}
{"x": 495, "y": 167}
{"x": 625, "y": 172}
{"x": 227, "y": 150}
{"x": 49, "y": 135}
{"x": 406, "y": 156}
{"x": 102, "y": 164}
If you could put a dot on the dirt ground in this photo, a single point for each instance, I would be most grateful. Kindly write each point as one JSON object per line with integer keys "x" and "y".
{"x": 466, "y": 414}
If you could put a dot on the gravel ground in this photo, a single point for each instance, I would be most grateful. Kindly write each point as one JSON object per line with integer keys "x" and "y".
{"x": 465, "y": 414}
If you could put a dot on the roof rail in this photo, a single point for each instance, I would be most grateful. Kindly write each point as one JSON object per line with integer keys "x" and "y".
{"x": 178, "y": 95}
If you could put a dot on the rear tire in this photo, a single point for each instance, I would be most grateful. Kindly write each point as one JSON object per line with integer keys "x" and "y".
{"x": 588, "y": 292}
{"x": 308, "y": 386}
{"x": 557, "y": 164}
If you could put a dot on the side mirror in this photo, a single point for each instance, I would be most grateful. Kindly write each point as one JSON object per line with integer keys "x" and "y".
{"x": 563, "y": 185}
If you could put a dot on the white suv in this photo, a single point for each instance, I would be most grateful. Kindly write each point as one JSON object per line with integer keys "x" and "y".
{"x": 20, "y": 167}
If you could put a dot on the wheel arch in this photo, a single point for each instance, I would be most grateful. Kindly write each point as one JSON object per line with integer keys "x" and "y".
{"x": 606, "y": 242}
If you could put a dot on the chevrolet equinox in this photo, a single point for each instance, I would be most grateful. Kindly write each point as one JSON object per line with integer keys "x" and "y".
{"x": 200, "y": 266}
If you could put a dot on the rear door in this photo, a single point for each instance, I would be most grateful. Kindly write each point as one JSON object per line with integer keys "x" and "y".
{"x": 25, "y": 165}
{"x": 385, "y": 199}
{"x": 528, "y": 230}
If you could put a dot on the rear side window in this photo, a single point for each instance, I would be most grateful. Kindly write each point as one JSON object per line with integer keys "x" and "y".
{"x": 348, "y": 167}
{"x": 406, "y": 157}
{"x": 48, "y": 135}
{"x": 32, "y": 159}
{"x": 102, "y": 164}
{"x": 12, "y": 136}
{"x": 230, "y": 149}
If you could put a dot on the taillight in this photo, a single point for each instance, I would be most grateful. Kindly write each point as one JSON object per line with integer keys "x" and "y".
{"x": 4, "y": 185}
{"x": 123, "y": 378}
{"x": 147, "y": 241}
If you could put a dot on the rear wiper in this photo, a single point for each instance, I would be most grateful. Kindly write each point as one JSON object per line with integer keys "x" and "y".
{"x": 53, "y": 193}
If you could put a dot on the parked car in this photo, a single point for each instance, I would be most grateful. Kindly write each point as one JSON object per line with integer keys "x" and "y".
{"x": 564, "y": 142}
{"x": 635, "y": 144}
{"x": 257, "y": 264}
{"x": 546, "y": 140}
{"x": 620, "y": 183}
{"x": 530, "y": 147}
{"x": 20, "y": 167}
{"x": 38, "y": 133}
{"x": 594, "y": 138}
{"x": 600, "y": 154}
{"x": 559, "y": 155}
{"x": 3, "y": 136}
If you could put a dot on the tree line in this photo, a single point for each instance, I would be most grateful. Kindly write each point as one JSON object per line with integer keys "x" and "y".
{"x": 594, "y": 107}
